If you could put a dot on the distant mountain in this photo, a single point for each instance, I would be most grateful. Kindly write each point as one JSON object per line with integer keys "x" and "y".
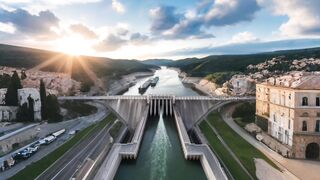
{"x": 22, "y": 57}
{"x": 227, "y": 63}
{"x": 158, "y": 62}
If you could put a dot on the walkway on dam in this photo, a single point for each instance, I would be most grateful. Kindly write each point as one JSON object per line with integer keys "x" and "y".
{"x": 146, "y": 97}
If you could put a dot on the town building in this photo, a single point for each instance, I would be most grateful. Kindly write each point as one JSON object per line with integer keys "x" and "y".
{"x": 3, "y": 92}
{"x": 288, "y": 108}
{"x": 31, "y": 96}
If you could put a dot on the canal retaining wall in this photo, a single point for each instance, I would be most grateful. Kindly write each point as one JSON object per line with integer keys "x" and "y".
{"x": 209, "y": 161}
{"x": 119, "y": 151}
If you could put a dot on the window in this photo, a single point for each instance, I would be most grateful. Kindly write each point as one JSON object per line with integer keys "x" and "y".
{"x": 289, "y": 96}
{"x": 289, "y": 124}
{"x": 304, "y": 101}
{"x": 317, "y": 126}
{"x": 304, "y": 126}
{"x": 317, "y": 101}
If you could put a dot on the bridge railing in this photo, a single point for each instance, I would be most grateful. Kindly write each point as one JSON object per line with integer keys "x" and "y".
{"x": 148, "y": 97}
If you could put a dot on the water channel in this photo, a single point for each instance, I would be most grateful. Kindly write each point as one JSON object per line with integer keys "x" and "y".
{"x": 160, "y": 155}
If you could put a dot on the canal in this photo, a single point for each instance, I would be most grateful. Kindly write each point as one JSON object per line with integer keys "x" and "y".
{"x": 160, "y": 155}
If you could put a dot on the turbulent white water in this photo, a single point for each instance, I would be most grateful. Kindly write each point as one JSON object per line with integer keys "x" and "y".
{"x": 159, "y": 150}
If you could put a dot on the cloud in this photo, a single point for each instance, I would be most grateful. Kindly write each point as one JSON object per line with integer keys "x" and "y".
{"x": 167, "y": 23}
{"x": 49, "y": 2}
{"x": 110, "y": 43}
{"x": 303, "y": 16}
{"x": 7, "y": 28}
{"x": 24, "y": 22}
{"x": 227, "y": 12}
{"x": 243, "y": 37}
{"x": 248, "y": 48}
{"x": 118, "y": 7}
{"x": 83, "y": 31}
{"x": 138, "y": 38}
{"x": 163, "y": 18}
{"x": 194, "y": 23}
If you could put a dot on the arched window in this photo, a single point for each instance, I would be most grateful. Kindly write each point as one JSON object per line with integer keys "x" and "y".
{"x": 304, "y": 126}
{"x": 317, "y": 126}
{"x": 304, "y": 101}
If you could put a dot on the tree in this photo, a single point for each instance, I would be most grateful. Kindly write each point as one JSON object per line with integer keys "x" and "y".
{"x": 43, "y": 97}
{"x": 12, "y": 91}
{"x": 30, "y": 108}
{"x": 23, "y": 113}
{"x": 53, "y": 108}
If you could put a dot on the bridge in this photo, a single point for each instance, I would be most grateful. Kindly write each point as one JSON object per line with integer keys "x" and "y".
{"x": 187, "y": 112}
{"x": 129, "y": 109}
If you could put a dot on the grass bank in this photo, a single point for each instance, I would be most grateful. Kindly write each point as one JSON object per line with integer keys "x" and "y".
{"x": 215, "y": 144}
{"x": 35, "y": 169}
{"x": 241, "y": 148}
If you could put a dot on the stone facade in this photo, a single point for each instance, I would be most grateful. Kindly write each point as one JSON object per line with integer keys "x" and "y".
{"x": 291, "y": 105}
{"x": 242, "y": 84}
{"x": 24, "y": 96}
{"x": 9, "y": 113}
{"x": 3, "y": 93}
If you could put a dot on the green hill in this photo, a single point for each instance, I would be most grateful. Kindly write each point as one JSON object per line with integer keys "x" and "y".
{"x": 22, "y": 57}
{"x": 237, "y": 63}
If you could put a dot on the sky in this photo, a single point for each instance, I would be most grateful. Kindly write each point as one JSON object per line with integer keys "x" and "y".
{"x": 163, "y": 29}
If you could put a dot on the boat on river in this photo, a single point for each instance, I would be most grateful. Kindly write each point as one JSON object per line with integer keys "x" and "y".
{"x": 154, "y": 81}
{"x": 145, "y": 86}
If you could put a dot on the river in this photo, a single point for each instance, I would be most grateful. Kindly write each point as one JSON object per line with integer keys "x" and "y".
{"x": 160, "y": 155}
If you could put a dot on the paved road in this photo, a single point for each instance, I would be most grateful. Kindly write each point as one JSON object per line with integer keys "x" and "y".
{"x": 293, "y": 168}
{"x": 67, "y": 166}
{"x": 78, "y": 123}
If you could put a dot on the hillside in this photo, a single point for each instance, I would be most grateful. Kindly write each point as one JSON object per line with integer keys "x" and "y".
{"x": 158, "y": 62}
{"x": 225, "y": 63}
{"x": 28, "y": 58}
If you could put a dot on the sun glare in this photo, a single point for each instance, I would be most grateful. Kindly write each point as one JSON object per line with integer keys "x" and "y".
{"x": 73, "y": 45}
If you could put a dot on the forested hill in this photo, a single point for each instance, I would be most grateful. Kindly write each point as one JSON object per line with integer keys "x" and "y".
{"x": 22, "y": 57}
{"x": 237, "y": 63}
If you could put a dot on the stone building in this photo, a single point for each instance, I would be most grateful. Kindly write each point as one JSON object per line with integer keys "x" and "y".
{"x": 242, "y": 84}
{"x": 3, "y": 92}
{"x": 288, "y": 108}
{"x": 30, "y": 96}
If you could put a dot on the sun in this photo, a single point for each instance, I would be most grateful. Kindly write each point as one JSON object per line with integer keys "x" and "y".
{"x": 73, "y": 45}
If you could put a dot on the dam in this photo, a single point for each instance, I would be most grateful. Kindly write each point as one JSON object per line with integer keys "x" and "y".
{"x": 159, "y": 122}
{"x": 160, "y": 155}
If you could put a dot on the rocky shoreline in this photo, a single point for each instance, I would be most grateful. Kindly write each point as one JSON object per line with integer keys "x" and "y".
{"x": 122, "y": 85}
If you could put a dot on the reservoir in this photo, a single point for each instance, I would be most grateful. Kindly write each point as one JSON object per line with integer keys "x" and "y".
{"x": 160, "y": 155}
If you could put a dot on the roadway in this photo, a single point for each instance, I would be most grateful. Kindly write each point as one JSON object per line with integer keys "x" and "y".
{"x": 70, "y": 125}
{"x": 67, "y": 165}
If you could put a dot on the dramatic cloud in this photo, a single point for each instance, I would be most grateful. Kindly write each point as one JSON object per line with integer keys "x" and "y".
{"x": 117, "y": 6}
{"x": 83, "y": 31}
{"x": 163, "y": 18}
{"x": 27, "y": 23}
{"x": 193, "y": 23}
{"x": 111, "y": 43}
{"x": 304, "y": 16}
{"x": 227, "y": 12}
